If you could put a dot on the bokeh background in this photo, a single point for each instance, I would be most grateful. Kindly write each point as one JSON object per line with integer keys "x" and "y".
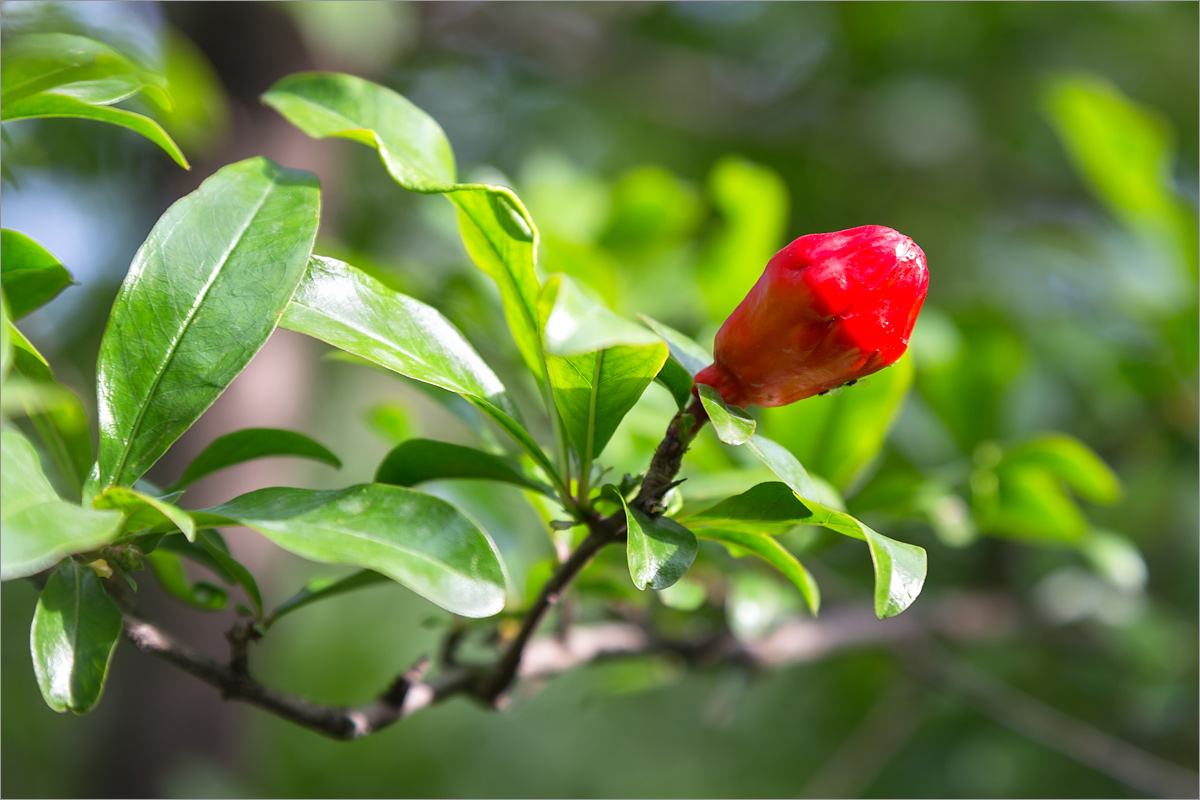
{"x": 1044, "y": 156}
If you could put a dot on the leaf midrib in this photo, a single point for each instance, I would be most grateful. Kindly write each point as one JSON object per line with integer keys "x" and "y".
{"x": 191, "y": 315}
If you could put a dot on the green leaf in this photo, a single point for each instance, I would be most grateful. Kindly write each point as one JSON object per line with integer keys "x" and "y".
{"x": 774, "y": 554}
{"x": 752, "y": 201}
{"x": 143, "y": 511}
{"x": 690, "y": 355}
{"x": 1125, "y": 152}
{"x": 784, "y": 464}
{"x": 899, "y": 567}
{"x": 731, "y": 424}
{"x": 348, "y": 309}
{"x": 169, "y": 570}
{"x": 501, "y": 239}
{"x": 62, "y": 62}
{"x": 393, "y": 421}
{"x": 210, "y": 551}
{"x": 839, "y": 434}
{"x": 594, "y": 392}
{"x": 677, "y": 380}
{"x": 1072, "y": 461}
{"x": 497, "y": 231}
{"x": 202, "y": 295}
{"x": 248, "y": 444}
{"x": 104, "y": 91}
{"x": 574, "y": 324}
{"x": 56, "y": 105}
{"x": 417, "y": 540}
{"x": 598, "y": 364}
{"x": 31, "y": 277}
{"x": 323, "y": 588}
{"x": 1029, "y": 503}
{"x": 419, "y": 460}
{"x": 39, "y": 528}
{"x": 659, "y": 549}
{"x": 767, "y": 508}
{"x": 899, "y": 572}
{"x": 75, "y": 630}
{"x": 62, "y": 424}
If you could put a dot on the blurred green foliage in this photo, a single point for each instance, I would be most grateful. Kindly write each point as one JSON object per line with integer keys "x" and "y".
{"x": 1043, "y": 155}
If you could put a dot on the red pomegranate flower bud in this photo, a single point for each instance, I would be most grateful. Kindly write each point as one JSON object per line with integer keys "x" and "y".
{"x": 830, "y": 308}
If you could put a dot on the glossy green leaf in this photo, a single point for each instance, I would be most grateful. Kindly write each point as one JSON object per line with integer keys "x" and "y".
{"x": 169, "y": 570}
{"x": 767, "y": 508}
{"x": 677, "y": 380}
{"x": 349, "y": 309}
{"x": 354, "y": 312}
{"x": 659, "y": 549}
{"x": 324, "y": 588}
{"x": 419, "y": 460}
{"x": 594, "y": 392}
{"x": 731, "y": 424}
{"x": 501, "y": 239}
{"x": 104, "y": 91}
{"x": 248, "y": 444}
{"x": 574, "y": 324}
{"x": 690, "y": 355}
{"x": 900, "y": 570}
{"x": 39, "y": 528}
{"x": 31, "y": 277}
{"x": 780, "y": 461}
{"x": 143, "y": 510}
{"x": 497, "y": 231}
{"x": 1072, "y": 461}
{"x": 61, "y": 62}
{"x": 774, "y": 554}
{"x": 837, "y": 436}
{"x": 415, "y": 539}
{"x": 202, "y": 295}
{"x": 75, "y": 630}
{"x": 57, "y": 105}
{"x": 598, "y": 363}
{"x": 899, "y": 567}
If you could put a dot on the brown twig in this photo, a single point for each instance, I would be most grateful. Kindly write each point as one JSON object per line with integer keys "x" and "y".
{"x": 493, "y": 683}
{"x": 406, "y": 695}
{"x": 602, "y": 531}
{"x": 796, "y": 641}
{"x": 410, "y": 691}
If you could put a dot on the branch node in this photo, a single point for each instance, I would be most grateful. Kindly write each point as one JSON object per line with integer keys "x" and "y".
{"x": 239, "y": 637}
